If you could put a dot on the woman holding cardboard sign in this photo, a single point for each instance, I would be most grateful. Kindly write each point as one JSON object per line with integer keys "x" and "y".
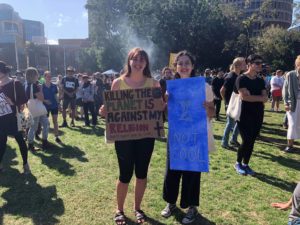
{"x": 190, "y": 190}
{"x": 133, "y": 155}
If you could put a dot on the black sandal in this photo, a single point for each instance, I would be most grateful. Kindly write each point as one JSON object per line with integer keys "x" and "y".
{"x": 140, "y": 216}
{"x": 120, "y": 218}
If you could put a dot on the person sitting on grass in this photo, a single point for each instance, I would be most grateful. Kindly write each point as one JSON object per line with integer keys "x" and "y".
{"x": 294, "y": 202}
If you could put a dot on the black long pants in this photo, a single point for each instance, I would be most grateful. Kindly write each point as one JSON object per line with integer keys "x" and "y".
{"x": 89, "y": 106}
{"x": 190, "y": 186}
{"x": 249, "y": 127}
{"x": 21, "y": 143}
{"x": 217, "y": 103}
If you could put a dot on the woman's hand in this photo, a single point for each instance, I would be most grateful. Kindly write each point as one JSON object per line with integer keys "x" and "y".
{"x": 102, "y": 111}
{"x": 48, "y": 102}
{"x": 210, "y": 109}
{"x": 9, "y": 101}
{"x": 281, "y": 205}
{"x": 287, "y": 108}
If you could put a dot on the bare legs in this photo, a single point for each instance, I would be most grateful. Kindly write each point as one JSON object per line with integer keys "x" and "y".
{"x": 122, "y": 189}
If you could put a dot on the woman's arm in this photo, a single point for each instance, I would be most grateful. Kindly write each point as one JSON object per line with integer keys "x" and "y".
{"x": 282, "y": 205}
{"x": 39, "y": 95}
{"x": 245, "y": 96}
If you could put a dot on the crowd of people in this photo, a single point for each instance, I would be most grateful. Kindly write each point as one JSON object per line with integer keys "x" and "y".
{"x": 80, "y": 96}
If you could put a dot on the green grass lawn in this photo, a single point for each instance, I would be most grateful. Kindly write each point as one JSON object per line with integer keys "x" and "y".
{"x": 75, "y": 183}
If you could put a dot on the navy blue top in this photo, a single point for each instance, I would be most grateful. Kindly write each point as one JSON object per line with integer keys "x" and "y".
{"x": 50, "y": 94}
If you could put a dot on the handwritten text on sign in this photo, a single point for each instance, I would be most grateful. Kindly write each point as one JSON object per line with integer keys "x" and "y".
{"x": 133, "y": 114}
{"x": 188, "y": 142}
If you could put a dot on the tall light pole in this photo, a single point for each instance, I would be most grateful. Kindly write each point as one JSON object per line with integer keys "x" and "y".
{"x": 65, "y": 61}
{"x": 49, "y": 58}
{"x": 16, "y": 53}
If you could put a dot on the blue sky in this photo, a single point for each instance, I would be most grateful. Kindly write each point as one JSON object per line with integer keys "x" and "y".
{"x": 61, "y": 18}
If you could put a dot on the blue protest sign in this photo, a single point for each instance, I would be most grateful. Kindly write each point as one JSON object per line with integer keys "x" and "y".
{"x": 188, "y": 142}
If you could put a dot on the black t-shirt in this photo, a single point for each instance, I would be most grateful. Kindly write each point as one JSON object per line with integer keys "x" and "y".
{"x": 216, "y": 85}
{"x": 35, "y": 89}
{"x": 70, "y": 84}
{"x": 229, "y": 85}
{"x": 8, "y": 119}
{"x": 100, "y": 87}
{"x": 255, "y": 87}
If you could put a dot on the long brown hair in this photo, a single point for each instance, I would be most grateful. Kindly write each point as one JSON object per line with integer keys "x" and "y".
{"x": 134, "y": 52}
{"x": 190, "y": 56}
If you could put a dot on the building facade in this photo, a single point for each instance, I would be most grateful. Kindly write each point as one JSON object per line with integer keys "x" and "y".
{"x": 14, "y": 32}
{"x": 272, "y": 12}
{"x": 34, "y": 31}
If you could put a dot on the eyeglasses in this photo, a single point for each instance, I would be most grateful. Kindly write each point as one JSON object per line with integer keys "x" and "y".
{"x": 258, "y": 63}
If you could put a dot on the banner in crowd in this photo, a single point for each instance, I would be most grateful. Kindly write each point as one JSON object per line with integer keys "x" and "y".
{"x": 172, "y": 60}
{"x": 134, "y": 114}
{"x": 188, "y": 140}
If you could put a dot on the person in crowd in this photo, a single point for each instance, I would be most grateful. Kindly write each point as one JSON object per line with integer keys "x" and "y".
{"x": 133, "y": 155}
{"x": 20, "y": 77}
{"x": 107, "y": 85}
{"x": 217, "y": 84}
{"x": 252, "y": 91}
{"x": 50, "y": 92}
{"x": 207, "y": 75}
{"x": 291, "y": 95}
{"x": 294, "y": 202}
{"x": 166, "y": 75}
{"x": 87, "y": 92}
{"x": 12, "y": 98}
{"x": 34, "y": 90}
{"x": 190, "y": 190}
{"x": 79, "y": 103}
{"x": 276, "y": 89}
{"x": 99, "y": 89}
{"x": 237, "y": 67}
{"x": 70, "y": 85}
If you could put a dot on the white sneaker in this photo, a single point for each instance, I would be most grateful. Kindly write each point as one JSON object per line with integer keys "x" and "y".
{"x": 168, "y": 210}
{"x": 190, "y": 216}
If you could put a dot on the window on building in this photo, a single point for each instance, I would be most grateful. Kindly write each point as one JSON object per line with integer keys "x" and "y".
{"x": 10, "y": 27}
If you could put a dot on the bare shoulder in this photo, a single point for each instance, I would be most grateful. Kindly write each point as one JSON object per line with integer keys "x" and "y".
{"x": 155, "y": 83}
{"x": 116, "y": 84}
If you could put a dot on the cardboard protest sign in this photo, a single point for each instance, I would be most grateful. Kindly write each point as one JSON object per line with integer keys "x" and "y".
{"x": 134, "y": 114}
{"x": 188, "y": 142}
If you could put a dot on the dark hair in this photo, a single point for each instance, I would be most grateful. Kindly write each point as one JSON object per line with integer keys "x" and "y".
{"x": 191, "y": 57}
{"x": 4, "y": 68}
{"x": 134, "y": 52}
{"x": 251, "y": 58}
{"x": 30, "y": 74}
{"x": 165, "y": 69}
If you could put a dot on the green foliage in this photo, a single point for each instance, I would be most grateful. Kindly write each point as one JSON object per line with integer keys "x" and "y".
{"x": 277, "y": 46}
{"x": 214, "y": 32}
{"x": 88, "y": 60}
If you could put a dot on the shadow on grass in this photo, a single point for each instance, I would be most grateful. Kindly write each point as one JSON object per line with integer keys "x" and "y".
{"x": 280, "y": 143}
{"x": 55, "y": 158}
{"x": 272, "y": 130}
{"x": 24, "y": 197}
{"x": 179, "y": 215}
{"x": 277, "y": 182}
{"x": 290, "y": 163}
{"x": 97, "y": 130}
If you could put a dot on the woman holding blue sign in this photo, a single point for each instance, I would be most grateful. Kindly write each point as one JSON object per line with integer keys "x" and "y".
{"x": 133, "y": 155}
{"x": 190, "y": 191}
{"x": 253, "y": 93}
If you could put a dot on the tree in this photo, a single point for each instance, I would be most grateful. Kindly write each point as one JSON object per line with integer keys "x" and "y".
{"x": 278, "y": 47}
